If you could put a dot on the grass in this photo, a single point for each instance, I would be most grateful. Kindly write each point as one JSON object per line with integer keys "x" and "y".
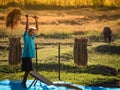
{"x": 73, "y": 77}
{"x": 63, "y": 26}
{"x": 106, "y": 59}
{"x": 65, "y": 23}
{"x": 54, "y": 35}
{"x": 48, "y": 66}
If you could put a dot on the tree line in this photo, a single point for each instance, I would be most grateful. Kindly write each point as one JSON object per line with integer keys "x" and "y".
{"x": 62, "y": 3}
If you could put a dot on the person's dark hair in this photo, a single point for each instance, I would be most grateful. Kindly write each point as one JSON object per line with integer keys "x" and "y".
{"x": 31, "y": 29}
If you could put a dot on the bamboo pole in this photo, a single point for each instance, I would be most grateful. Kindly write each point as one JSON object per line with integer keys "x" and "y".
{"x": 59, "y": 61}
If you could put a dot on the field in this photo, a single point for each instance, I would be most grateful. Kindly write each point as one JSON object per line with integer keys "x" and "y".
{"x": 62, "y": 26}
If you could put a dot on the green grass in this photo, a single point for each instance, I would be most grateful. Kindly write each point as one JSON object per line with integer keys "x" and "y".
{"x": 98, "y": 54}
{"x": 72, "y": 76}
{"x": 105, "y": 59}
{"x": 48, "y": 66}
{"x": 55, "y": 35}
{"x": 3, "y": 55}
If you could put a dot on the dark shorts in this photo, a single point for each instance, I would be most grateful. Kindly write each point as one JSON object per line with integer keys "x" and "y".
{"x": 26, "y": 64}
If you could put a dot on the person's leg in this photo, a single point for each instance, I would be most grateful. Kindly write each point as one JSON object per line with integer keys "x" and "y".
{"x": 27, "y": 67}
{"x": 110, "y": 39}
{"x": 24, "y": 79}
{"x": 105, "y": 38}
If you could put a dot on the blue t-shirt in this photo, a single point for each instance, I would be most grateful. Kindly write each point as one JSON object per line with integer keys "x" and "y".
{"x": 29, "y": 45}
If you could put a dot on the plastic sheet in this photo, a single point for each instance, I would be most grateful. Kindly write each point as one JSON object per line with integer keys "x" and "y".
{"x": 16, "y": 85}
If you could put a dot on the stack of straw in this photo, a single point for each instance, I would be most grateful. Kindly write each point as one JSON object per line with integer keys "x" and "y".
{"x": 13, "y": 17}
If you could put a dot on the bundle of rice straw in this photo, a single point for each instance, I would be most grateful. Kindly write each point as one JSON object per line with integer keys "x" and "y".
{"x": 13, "y": 17}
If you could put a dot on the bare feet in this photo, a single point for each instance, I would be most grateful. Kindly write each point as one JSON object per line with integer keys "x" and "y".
{"x": 23, "y": 85}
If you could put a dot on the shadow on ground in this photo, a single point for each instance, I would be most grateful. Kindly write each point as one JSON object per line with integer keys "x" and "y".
{"x": 110, "y": 49}
{"x": 93, "y": 69}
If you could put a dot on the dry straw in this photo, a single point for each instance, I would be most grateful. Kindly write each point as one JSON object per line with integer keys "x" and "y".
{"x": 13, "y": 17}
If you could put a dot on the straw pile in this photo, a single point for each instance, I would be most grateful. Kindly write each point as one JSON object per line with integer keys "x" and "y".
{"x": 80, "y": 52}
{"x": 13, "y": 17}
{"x": 15, "y": 51}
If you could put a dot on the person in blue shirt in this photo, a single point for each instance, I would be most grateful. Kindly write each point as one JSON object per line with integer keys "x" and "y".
{"x": 29, "y": 48}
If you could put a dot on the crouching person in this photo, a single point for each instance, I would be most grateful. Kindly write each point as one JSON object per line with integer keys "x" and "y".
{"x": 107, "y": 32}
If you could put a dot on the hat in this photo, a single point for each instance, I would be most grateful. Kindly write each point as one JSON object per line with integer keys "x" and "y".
{"x": 32, "y": 28}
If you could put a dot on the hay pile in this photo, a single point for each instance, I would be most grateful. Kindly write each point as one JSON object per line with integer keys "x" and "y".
{"x": 80, "y": 51}
{"x": 13, "y": 17}
{"x": 15, "y": 51}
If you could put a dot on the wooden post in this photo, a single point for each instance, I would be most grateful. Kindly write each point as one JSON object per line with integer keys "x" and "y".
{"x": 14, "y": 51}
{"x": 36, "y": 58}
{"x": 59, "y": 61}
{"x": 80, "y": 52}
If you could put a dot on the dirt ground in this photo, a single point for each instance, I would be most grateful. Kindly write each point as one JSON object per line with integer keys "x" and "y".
{"x": 71, "y": 20}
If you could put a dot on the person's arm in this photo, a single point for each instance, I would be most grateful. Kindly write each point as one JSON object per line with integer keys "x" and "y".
{"x": 27, "y": 23}
{"x": 36, "y": 23}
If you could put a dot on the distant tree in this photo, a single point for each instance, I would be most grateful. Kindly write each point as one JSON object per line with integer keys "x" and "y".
{"x": 98, "y": 2}
{"x": 117, "y": 2}
{"x": 26, "y": 2}
{"x": 3, "y": 2}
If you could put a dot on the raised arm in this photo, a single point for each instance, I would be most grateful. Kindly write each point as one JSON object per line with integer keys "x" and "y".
{"x": 27, "y": 23}
{"x": 36, "y": 22}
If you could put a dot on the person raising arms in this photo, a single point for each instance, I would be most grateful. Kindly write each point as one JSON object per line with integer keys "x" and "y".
{"x": 29, "y": 48}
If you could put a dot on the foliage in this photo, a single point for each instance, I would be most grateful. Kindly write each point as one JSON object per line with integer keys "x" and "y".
{"x": 9, "y": 69}
{"x": 59, "y": 3}
{"x": 80, "y": 32}
{"x": 3, "y": 33}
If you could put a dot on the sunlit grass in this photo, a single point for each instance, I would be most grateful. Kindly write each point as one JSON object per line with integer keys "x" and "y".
{"x": 104, "y": 59}
{"x": 72, "y": 77}
{"x": 67, "y": 22}
{"x": 48, "y": 66}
